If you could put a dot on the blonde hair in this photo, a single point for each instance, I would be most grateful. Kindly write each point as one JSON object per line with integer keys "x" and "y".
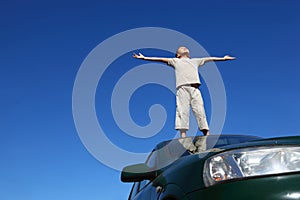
{"x": 182, "y": 51}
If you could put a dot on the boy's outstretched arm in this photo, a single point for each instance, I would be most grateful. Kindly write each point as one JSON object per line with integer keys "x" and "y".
{"x": 227, "y": 57}
{"x": 158, "y": 59}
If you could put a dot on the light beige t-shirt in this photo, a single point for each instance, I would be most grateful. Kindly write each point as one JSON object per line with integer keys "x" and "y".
{"x": 186, "y": 70}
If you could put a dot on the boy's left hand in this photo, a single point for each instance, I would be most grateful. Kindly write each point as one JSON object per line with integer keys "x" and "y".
{"x": 140, "y": 56}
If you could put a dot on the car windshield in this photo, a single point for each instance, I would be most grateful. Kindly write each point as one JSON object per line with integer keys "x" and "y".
{"x": 168, "y": 151}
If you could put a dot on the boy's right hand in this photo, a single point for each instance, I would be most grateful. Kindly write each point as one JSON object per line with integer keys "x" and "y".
{"x": 227, "y": 57}
{"x": 140, "y": 56}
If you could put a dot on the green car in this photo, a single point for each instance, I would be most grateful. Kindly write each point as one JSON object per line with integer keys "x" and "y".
{"x": 218, "y": 167}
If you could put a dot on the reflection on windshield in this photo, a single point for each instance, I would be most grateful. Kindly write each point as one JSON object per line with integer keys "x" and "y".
{"x": 169, "y": 151}
{"x": 194, "y": 146}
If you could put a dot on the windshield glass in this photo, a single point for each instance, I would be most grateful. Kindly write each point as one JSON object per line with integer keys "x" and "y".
{"x": 168, "y": 151}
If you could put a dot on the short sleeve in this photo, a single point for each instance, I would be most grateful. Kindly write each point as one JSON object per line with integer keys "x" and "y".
{"x": 199, "y": 61}
{"x": 171, "y": 61}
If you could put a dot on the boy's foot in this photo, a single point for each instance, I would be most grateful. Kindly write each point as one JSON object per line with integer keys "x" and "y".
{"x": 205, "y": 132}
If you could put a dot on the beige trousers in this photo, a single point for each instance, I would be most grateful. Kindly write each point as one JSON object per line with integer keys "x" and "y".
{"x": 188, "y": 97}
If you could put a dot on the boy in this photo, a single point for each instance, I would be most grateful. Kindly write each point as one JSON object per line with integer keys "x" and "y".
{"x": 187, "y": 83}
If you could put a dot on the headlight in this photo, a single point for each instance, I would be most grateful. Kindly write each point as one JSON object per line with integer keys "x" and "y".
{"x": 250, "y": 162}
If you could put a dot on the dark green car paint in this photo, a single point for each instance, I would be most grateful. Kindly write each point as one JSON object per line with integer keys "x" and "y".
{"x": 183, "y": 179}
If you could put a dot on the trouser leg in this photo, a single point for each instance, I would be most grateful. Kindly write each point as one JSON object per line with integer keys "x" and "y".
{"x": 198, "y": 110}
{"x": 182, "y": 109}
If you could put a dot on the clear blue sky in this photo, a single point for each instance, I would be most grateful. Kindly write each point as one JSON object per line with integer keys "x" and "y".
{"x": 43, "y": 44}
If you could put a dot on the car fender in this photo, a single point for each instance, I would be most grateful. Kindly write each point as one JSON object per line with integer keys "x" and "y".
{"x": 172, "y": 192}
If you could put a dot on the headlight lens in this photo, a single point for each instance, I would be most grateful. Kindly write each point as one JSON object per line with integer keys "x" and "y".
{"x": 250, "y": 162}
